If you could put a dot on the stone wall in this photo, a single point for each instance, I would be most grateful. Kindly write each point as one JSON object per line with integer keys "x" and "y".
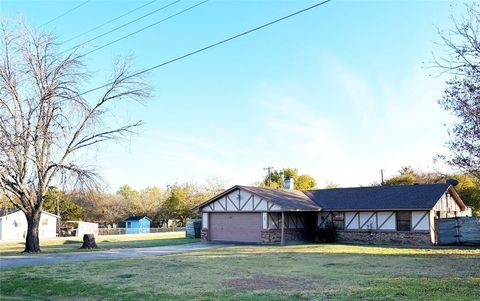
{"x": 204, "y": 234}
{"x": 385, "y": 237}
{"x": 272, "y": 236}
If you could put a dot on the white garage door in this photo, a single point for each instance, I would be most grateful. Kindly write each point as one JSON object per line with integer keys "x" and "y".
{"x": 241, "y": 227}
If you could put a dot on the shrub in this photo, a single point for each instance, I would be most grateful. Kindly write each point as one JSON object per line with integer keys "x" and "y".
{"x": 328, "y": 233}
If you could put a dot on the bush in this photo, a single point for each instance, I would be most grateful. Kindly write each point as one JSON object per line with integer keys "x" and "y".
{"x": 327, "y": 234}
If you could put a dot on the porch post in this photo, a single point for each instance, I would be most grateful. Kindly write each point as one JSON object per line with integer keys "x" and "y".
{"x": 282, "y": 241}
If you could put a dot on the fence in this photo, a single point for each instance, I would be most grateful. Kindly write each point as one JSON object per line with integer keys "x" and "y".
{"x": 120, "y": 231}
{"x": 458, "y": 231}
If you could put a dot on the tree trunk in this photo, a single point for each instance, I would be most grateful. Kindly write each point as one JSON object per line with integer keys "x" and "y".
{"x": 88, "y": 242}
{"x": 32, "y": 243}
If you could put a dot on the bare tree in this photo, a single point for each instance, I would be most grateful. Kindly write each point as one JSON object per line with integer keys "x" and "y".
{"x": 462, "y": 95}
{"x": 46, "y": 124}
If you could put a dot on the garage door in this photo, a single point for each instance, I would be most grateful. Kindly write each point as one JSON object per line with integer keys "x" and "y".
{"x": 245, "y": 227}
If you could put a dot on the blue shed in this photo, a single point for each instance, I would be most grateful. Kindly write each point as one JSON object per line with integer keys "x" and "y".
{"x": 137, "y": 224}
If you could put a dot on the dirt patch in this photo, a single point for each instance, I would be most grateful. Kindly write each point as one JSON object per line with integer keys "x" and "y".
{"x": 267, "y": 282}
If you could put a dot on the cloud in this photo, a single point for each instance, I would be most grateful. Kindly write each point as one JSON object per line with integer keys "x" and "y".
{"x": 400, "y": 124}
{"x": 342, "y": 130}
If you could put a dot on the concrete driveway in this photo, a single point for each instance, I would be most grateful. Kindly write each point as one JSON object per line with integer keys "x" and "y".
{"x": 57, "y": 258}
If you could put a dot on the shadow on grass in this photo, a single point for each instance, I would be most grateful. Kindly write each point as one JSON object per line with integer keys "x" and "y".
{"x": 70, "y": 246}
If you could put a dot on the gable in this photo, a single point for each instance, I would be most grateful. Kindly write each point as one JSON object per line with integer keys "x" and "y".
{"x": 238, "y": 199}
{"x": 450, "y": 201}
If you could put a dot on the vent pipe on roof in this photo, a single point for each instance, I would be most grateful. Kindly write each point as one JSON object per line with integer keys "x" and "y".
{"x": 453, "y": 182}
{"x": 289, "y": 183}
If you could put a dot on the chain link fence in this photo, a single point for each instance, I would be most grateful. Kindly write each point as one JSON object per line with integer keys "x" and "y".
{"x": 120, "y": 231}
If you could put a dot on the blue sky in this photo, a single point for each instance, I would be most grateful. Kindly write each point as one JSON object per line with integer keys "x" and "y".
{"x": 338, "y": 92}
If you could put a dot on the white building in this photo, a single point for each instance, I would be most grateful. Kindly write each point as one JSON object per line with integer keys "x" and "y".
{"x": 14, "y": 225}
{"x": 84, "y": 228}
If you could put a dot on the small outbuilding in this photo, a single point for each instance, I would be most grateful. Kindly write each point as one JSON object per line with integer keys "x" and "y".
{"x": 13, "y": 225}
{"x": 137, "y": 224}
{"x": 83, "y": 228}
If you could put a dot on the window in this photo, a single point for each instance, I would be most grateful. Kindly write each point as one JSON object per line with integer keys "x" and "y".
{"x": 338, "y": 219}
{"x": 44, "y": 222}
{"x": 403, "y": 220}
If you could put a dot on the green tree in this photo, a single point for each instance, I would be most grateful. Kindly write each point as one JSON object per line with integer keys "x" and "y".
{"x": 68, "y": 210}
{"x": 277, "y": 178}
{"x": 406, "y": 176}
{"x": 331, "y": 185}
{"x": 305, "y": 182}
{"x": 468, "y": 186}
{"x": 462, "y": 95}
{"x": 469, "y": 190}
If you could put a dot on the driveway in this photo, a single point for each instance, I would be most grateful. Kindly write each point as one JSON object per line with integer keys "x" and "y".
{"x": 57, "y": 258}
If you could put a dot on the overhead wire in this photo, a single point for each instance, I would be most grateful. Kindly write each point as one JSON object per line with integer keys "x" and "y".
{"x": 65, "y": 13}
{"x": 123, "y": 25}
{"x": 146, "y": 27}
{"x": 212, "y": 45}
{"x": 109, "y": 21}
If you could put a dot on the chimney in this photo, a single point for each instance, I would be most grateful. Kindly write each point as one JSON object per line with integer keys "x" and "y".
{"x": 289, "y": 183}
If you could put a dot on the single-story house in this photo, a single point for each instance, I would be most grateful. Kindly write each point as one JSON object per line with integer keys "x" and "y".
{"x": 137, "y": 224}
{"x": 13, "y": 225}
{"x": 382, "y": 214}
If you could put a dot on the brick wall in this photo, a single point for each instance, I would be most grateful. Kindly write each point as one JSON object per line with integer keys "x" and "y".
{"x": 271, "y": 236}
{"x": 384, "y": 237}
{"x": 204, "y": 234}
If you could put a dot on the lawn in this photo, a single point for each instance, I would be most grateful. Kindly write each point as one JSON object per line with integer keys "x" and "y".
{"x": 72, "y": 244}
{"x": 303, "y": 272}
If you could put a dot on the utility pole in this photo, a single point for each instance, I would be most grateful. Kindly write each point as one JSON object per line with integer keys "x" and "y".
{"x": 381, "y": 175}
{"x": 269, "y": 170}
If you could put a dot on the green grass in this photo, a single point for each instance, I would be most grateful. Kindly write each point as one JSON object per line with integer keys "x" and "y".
{"x": 303, "y": 272}
{"x": 72, "y": 244}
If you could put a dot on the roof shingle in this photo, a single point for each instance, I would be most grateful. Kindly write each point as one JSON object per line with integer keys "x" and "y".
{"x": 423, "y": 196}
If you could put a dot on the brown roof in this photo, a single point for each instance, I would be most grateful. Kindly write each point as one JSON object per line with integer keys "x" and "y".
{"x": 287, "y": 199}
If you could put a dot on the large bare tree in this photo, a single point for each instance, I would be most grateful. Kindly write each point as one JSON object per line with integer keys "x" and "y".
{"x": 462, "y": 94}
{"x": 47, "y": 127}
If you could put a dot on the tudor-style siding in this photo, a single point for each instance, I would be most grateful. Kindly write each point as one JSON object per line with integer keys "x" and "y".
{"x": 240, "y": 200}
{"x": 387, "y": 214}
{"x": 377, "y": 220}
{"x": 293, "y": 220}
{"x": 446, "y": 207}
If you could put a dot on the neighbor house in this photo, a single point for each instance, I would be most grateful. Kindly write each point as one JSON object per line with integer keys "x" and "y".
{"x": 382, "y": 214}
{"x": 137, "y": 224}
{"x": 13, "y": 225}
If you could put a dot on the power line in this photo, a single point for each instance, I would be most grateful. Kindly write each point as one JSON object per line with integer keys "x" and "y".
{"x": 109, "y": 21}
{"x": 65, "y": 13}
{"x": 146, "y": 27}
{"x": 269, "y": 171}
{"x": 214, "y": 44}
{"x": 123, "y": 25}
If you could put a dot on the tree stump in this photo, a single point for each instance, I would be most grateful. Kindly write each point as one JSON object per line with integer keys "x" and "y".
{"x": 88, "y": 242}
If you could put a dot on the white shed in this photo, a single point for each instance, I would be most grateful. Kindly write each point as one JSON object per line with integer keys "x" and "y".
{"x": 14, "y": 225}
{"x": 85, "y": 228}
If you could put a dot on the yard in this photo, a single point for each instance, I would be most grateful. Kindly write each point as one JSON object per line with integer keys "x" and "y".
{"x": 72, "y": 244}
{"x": 302, "y": 272}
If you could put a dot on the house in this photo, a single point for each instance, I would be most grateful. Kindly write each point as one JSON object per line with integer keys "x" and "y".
{"x": 13, "y": 225}
{"x": 137, "y": 224}
{"x": 381, "y": 214}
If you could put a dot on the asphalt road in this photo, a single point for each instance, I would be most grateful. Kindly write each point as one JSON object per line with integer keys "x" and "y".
{"x": 58, "y": 258}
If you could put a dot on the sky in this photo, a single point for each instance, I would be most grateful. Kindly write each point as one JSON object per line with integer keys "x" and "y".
{"x": 339, "y": 92}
